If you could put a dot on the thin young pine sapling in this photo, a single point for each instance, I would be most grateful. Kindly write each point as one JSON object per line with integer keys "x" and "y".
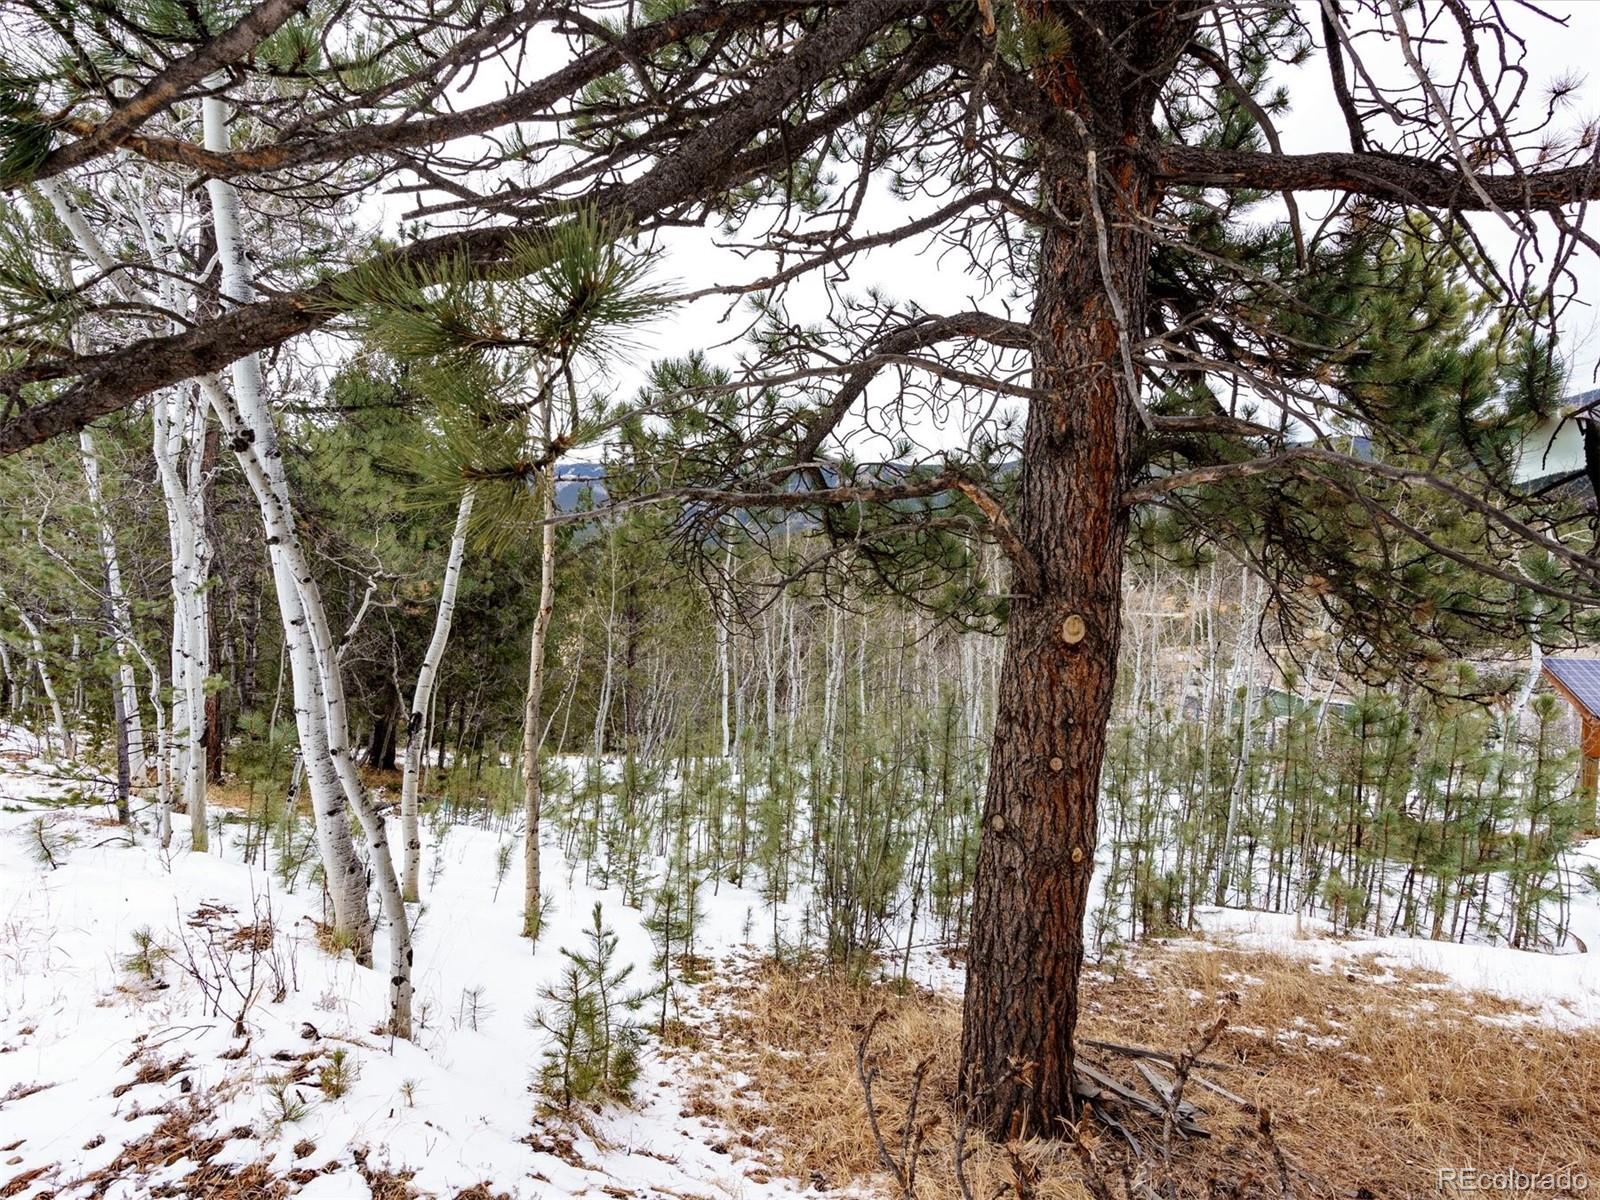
{"x": 671, "y": 923}
{"x": 589, "y": 1013}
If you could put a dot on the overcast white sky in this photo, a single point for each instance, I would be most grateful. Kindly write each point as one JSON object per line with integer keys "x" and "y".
{"x": 915, "y": 273}
{"x": 1564, "y": 48}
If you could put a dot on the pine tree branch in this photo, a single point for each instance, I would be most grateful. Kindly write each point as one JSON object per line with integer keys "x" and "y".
{"x": 526, "y": 103}
{"x": 919, "y": 335}
{"x": 1214, "y": 423}
{"x": 715, "y": 158}
{"x": 1332, "y": 37}
{"x": 1029, "y": 577}
{"x": 1302, "y": 460}
{"x": 168, "y": 87}
{"x": 1395, "y": 178}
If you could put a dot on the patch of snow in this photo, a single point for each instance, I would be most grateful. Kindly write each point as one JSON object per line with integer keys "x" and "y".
{"x": 453, "y": 1109}
{"x": 1563, "y": 988}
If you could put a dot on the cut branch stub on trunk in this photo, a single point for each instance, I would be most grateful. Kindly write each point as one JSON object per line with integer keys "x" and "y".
{"x": 1058, "y": 674}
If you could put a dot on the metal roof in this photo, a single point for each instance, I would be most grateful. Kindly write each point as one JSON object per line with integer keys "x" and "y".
{"x": 1579, "y": 678}
{"x": 1583, "y": 404}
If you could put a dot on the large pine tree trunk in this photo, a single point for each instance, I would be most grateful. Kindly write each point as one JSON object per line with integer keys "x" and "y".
{"x": 1038, "y": 840}
{"x": 1058, "y": 674}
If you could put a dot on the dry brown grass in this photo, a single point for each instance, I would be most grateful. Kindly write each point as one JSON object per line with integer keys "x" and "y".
{"x": 1371, "y": 1085}
{"x": 184, "y": 1139}
{"x": 380, "y": 777}
{"x": 180, "y": 1139}
{"x": 151, "y": 1070}
{"x": 19, "y": 1184}
{"x": 245, "y": 797}
{"x": 235, "y": 795}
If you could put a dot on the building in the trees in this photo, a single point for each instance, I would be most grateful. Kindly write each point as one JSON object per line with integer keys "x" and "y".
{"x": 1578, "y": 681}
{"x": 1554, "y": 454}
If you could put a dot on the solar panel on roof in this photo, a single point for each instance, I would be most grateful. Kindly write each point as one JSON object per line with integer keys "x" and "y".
{"x": 1581, "y": 677}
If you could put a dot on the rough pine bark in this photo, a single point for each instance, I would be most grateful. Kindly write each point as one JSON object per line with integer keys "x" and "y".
{"x": 1058, "y": 673}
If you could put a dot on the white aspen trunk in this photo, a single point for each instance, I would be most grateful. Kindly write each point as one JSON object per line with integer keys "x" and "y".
{"x": 738, "y": 693}
{"x": 372, "y": 822}
{"x": 724, "y": 678}
{"x": 199, "y": 607}
{"x": 834, "y": 682}
{"x": 185, "y": 526}
{"x": 177, "y": 653}
{"x": 72, "y": 217}
{"x": 320, "y": 702}
{"x": 237, "y": 288}
{"x": 76, "y": 659}
{"x": 1247, "y": 717}
{"x": 795, "y": 700}
{"x": 121, "y": 613}
{"x": 1208, "y": 696}
{"x": 827, "y": 686}
{"x": 861, "y": 674}
{"x": 722, "y": 609}
{"x": 1519, "y": 706}
{"x": 603, "y": 708}
{"x": 188, "y": 659}
{"x": 427, "y": 738}
{"x": 162, "y": 756}
{"x": 342, "y": 867}
{"x": 196, "y": 641}
{"x": 422, "y": 700}
{"x": 969, "y": 688}
{"x": 1511, "y": 734}
{"x": 532, "y": 714}
{"x": 46, "y": 681}
{"x": 770, "y": 645}
{"x": 572, "y": 686}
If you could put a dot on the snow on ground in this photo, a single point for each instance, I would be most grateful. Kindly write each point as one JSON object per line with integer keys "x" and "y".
{"x": 93, "y": 1060}
{"x": 1564, "y": 989}
{"x": 454, "y": 1107}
